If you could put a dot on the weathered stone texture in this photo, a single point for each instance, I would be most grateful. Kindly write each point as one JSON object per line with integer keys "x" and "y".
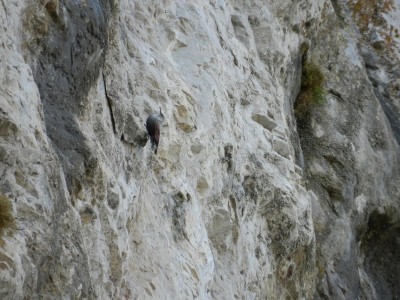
{"x": 245, "y": 199}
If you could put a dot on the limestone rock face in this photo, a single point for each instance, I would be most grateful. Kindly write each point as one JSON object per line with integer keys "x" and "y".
{"x": 246, "y": 199}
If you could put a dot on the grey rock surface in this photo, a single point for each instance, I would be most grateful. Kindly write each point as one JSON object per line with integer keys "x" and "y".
{"x": 246, "y": 199}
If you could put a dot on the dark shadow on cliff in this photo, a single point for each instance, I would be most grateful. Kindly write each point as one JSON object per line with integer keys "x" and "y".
{"x": 73, "y": 41}
{"x": 66, "y": 42}
{"x": 381, "y": 248}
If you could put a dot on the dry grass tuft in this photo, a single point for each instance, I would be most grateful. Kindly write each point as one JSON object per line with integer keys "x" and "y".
{"x": 7, "y": 221}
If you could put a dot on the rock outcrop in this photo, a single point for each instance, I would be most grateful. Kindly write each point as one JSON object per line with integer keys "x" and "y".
{"x": 249, "y": 197}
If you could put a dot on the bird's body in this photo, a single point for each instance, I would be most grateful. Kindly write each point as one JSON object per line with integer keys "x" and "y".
{"x": 153, "y": 126}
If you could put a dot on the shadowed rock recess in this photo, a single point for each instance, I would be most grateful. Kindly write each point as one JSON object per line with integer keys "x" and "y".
{"x": 278, "y": 170}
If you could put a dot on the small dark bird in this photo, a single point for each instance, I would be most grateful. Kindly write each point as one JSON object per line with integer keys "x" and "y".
{"x": 153, "y": 126}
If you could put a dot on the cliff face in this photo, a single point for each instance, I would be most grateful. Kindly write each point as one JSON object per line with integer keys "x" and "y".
{"x": 248, "y": 197}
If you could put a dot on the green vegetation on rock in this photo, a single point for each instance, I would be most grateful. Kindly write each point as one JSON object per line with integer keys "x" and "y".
{"x": 7, "y": 222}
{"x": 312, "y": 89}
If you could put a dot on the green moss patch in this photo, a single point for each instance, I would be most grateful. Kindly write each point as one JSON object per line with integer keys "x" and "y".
{"x": 312, "y": 89}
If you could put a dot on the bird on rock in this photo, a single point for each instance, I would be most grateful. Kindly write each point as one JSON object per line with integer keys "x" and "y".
{"x": 153, "y": 126}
